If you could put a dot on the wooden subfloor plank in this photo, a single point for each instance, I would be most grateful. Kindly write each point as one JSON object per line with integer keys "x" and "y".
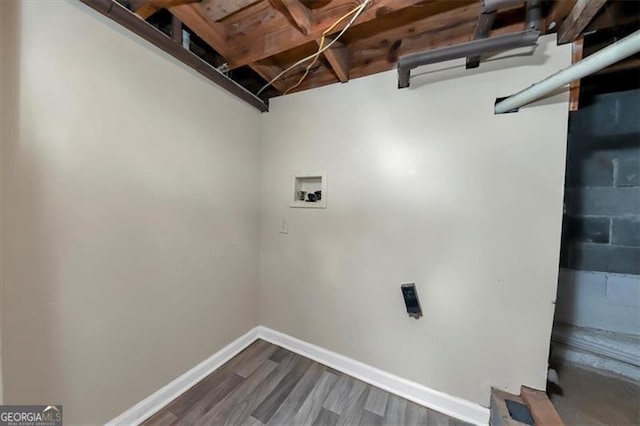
{"x": 541, "y": 408}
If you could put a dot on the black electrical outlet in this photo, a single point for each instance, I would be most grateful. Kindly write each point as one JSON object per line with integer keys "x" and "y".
{"x": 411, "y": 300}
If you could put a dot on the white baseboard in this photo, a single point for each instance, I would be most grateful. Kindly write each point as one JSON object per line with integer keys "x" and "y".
{"x": 163, "y": 396}
{"x": 450, "y": 405}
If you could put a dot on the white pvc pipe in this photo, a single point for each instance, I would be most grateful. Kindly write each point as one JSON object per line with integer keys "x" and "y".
{"x": 599, "y": 60}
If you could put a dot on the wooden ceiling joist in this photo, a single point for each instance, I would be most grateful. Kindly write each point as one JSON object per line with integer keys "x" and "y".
{"x": 130, "y": 21}
{"x": 257, "y": 45}
{"x": 580, "y": 16}
{"x": 146, "y": 8}
{"x": 269, "y": 36}
{"x": 380, "y": 52}
{"x": 298, "y": 14}
{"x": 339, "y": 59}
{"x": 213, "y": 33}
{"x": 559, "y": 11}
{"x": 220, "y": 9}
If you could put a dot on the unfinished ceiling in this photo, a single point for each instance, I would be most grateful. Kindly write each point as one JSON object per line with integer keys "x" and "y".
{"x": 254, "y": 41}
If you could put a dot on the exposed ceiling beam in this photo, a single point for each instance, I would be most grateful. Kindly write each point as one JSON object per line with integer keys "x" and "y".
{"x": 268, "y": 73}
{"x": 485, "y": 23}
{"x": 148, "y": 32}
{"x": 146, "y": 8}
{"x": 574, "y": 87}
{"x": 380, "y": 52}
{"x": 278, "y": 35}
{"x": 559, "y": 11}
{"x": 582, "y": 13}
{"x": 370, "y": 56}
{"x": 220, "y": 9}
{"x": 213, "y": 33}
{"x": 296, "y": 13}
{"x": 176, "y": 30}
{"x": 618, "y": 13}
{"x": 628, "y": 64}
{"x": 339, "y": 58}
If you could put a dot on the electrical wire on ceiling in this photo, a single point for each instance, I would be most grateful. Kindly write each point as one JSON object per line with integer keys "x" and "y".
{"x": 321, "y": 48}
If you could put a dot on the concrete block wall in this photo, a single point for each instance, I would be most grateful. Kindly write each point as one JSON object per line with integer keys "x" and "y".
{"x": 599, "y": 280}
{"x": 601, "y": 229}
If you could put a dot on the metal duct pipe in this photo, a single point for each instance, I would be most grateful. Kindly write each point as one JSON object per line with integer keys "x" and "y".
{"x": 472, "y": 48}
{"x": 534, "y": 14}
{"x": 611, "y": 54}
{"x": 493, "y": 5}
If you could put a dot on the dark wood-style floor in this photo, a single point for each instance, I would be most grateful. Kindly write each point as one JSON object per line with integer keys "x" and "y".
{"x": 269, "y": 385}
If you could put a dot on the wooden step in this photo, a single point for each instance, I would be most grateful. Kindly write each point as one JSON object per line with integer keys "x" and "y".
{"x": 499, "y": 412}
{"x": 540, "y": 407}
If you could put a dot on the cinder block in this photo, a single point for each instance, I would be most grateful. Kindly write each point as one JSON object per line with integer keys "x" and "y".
{"x": 593, "y": 299}
{"x": 625, "y": 232}
{"x": 623, "y": 290}
{"x": 586, "y": 229}
{"x": 627, "y": 171}
{"x": 604, "y": 201}
{"x": 595, "y": 171}
{"x": 605, "y": 258}
{"x": 609, "y": 114}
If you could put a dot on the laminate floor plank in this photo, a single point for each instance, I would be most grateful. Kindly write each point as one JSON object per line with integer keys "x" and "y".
{"x": 163, "y": 418}
{"x": 251, "y": 421}
{"x": 370, "y": 419}
{"x": 270, "y": 405}
{"x": 377, "y": 401}
{"x": 313, "y": 404}
{"x": 395, "y": 412}
{"x": 416, "y": 415}
{"x": 268, "y": 385}
{"x": 245, "y": 407}
{"x": 353, "y": 411}
{"x": 279, "y": 355}
{"x": 225, "y": 407}
{"x": 325, "y": 418}
{"x": 250, "y": 365}
{"x": 290, "y": 406}
{"x": 210, "y": 389}
{"x": 335, "y": 399}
